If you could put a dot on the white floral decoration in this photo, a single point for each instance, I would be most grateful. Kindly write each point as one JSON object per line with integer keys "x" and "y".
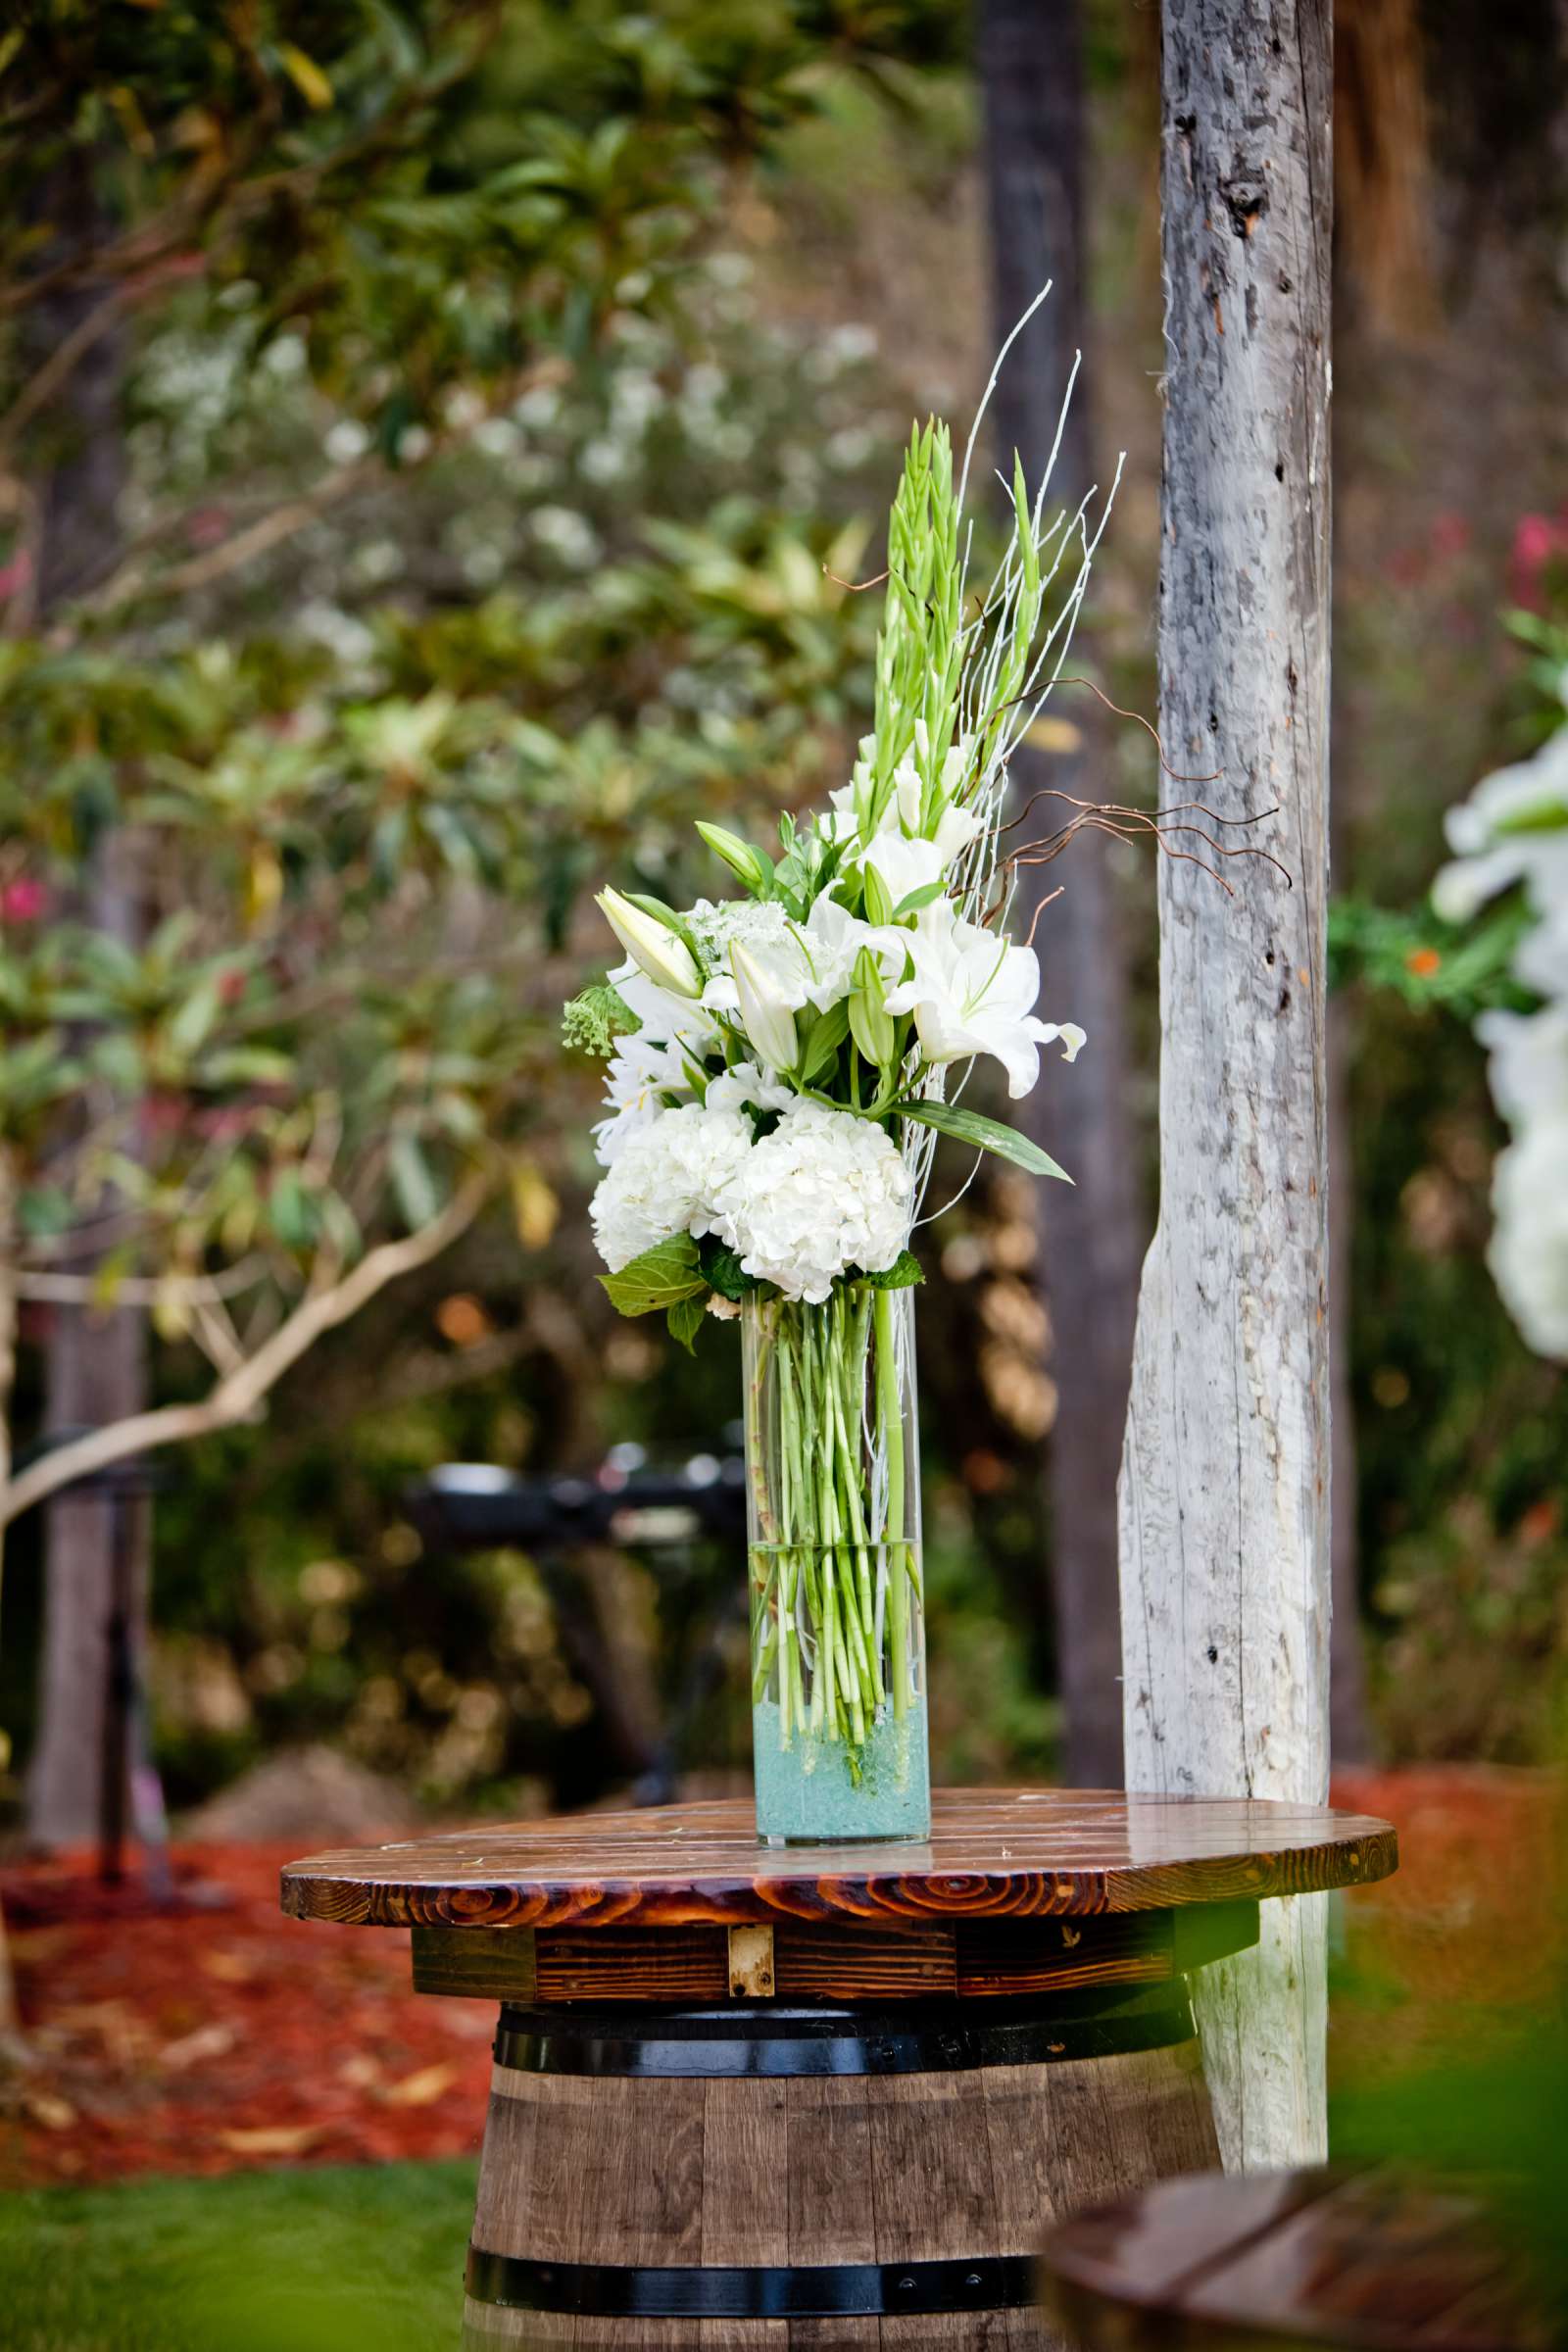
{"x": 1513, "y": 829}
{"x": 654, "y": 1061}
{"x": 671, "y": 1177}
{"x": 823, "y": 1192}
{"x": 973, "y": 993}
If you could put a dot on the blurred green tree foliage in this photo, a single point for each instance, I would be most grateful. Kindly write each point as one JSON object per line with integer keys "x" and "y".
{"x": 280, "y": 262}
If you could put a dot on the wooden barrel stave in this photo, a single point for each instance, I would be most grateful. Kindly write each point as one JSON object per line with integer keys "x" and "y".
{"x": 807, "y": 2171}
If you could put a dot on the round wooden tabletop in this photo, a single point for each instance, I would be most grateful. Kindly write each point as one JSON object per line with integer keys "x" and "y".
{"x": 997, "y": 1852}
{"x": 1370, "y": 2261}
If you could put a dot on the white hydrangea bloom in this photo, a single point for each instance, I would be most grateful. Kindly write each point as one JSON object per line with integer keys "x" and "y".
{"x": 823, "y": 1192}
{"x": 672, "y": 1176}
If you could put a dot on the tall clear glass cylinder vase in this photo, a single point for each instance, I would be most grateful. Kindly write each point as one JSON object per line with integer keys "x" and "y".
{"x": 838, "y": 1626}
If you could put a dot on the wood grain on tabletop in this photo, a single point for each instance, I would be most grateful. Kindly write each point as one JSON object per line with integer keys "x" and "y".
{"x": 992, "y": 1854}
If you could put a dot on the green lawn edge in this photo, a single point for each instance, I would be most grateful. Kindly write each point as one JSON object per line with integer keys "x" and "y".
{"x": 320, "y": 2259}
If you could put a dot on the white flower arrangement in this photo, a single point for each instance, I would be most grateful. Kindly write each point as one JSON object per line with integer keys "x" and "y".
{"x": 780, "y": 1063}
{"x": 1513, "y": 831}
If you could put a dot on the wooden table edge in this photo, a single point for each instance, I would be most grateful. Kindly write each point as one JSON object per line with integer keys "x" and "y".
{"x": 373, "y": 1892}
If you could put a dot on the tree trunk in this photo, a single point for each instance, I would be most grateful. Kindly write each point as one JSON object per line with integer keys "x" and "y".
{"x": 1225, "y": 1476}
{"x": 8, "y": 1374}
{"x": 1031, "y": 70}
{"x": 1349, "y": 1740}
{"x": 97, "y": 1368}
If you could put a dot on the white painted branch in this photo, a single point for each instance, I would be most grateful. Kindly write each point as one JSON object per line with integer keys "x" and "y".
{"x": 237, "y": 1395}
{"x": 1224, "y": 1495}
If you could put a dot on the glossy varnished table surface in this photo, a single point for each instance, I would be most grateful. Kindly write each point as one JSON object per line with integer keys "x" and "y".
{"x": 997, "y": 1853}
{"x": 1371, "y": 2262}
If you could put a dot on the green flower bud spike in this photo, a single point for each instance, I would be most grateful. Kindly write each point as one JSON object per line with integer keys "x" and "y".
{"x": 871, "y": 1025}
{"x": 747, "y": 864}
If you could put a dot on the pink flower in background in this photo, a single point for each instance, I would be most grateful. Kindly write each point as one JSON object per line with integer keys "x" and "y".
{"x": 14, "y": 575}
{"x": 1538, "y": 540}
{"x": 23, "y": 901}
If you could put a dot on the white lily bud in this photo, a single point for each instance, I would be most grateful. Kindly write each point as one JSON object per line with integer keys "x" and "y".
{"x": 878, "y": 897}
{"x": 662, "y": 954}
{"x": 870, "y": 1023}
{"x": 739, "y": 856}
{"x": 766, "y": 1016}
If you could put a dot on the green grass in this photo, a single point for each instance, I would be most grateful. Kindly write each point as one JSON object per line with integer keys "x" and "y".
{"x": 323, "y": 2261}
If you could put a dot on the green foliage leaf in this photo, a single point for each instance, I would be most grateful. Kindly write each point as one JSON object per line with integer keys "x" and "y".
{"x": 828, "y": 1032}
{"x": 926, "y": 896}
{"x": 685, "y": 1320}
{"x": 1467, "y": 969}
{"x": 45, "y": 1210}
{"x": 723, "y": 1272}
{"x": 291, "y": 1210}
{"x": 660, "y": 1277}
{"x": 412, "y": 1181}
{"x": 903, "y": 1274}
{"x": 987, "y": 1135}
{"x": 246, "y": 1065}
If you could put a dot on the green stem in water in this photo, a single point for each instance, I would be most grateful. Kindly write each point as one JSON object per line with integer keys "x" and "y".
{"x": 890, "y": 1429}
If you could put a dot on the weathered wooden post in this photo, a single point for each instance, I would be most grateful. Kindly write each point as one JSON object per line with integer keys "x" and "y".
{"x": 1224, "y": 1497}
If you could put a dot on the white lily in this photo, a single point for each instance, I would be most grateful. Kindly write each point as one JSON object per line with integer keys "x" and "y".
{"x": 802, "y": 963}
{"x": 905, "y": 866}
{"x": 744, "y": 1086}
{"x": 771, "y": 938}
{"x": 663, "y": 955}
{"x": 834, "y": 941}
{"x": 764, "y": 1010}
{"x": 660, "y": 1013}
{"x": 652, "y": 1063}
{"x": 643, "y": 1072}
{"x": 971, "y": 992}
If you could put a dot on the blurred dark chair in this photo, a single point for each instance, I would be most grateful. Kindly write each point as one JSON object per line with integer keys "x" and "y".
{"x": 627, "y": 1506}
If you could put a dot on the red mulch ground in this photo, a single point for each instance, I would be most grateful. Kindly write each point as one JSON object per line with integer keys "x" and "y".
{"x": 206, "y": 2040}
{"x": 212, "y": 2038}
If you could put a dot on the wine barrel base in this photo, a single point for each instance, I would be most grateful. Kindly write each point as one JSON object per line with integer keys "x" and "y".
{"x": 759, "y": 2179}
